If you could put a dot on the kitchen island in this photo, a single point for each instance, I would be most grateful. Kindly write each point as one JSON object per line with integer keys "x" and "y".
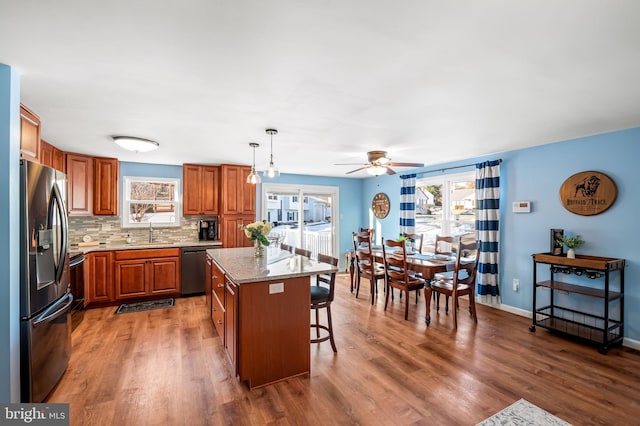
{"x": 266, "y": 312}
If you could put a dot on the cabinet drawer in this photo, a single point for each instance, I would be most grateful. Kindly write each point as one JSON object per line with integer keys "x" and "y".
{"x": 217, "y": 315}
{"x": 147, "y": 254}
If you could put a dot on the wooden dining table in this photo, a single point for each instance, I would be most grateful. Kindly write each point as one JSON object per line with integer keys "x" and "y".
{"x": 426, "y": 264}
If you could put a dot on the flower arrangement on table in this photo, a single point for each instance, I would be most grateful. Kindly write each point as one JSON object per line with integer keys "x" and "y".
{"x": 257, "y": 233}
{"x": 571, "y": 243}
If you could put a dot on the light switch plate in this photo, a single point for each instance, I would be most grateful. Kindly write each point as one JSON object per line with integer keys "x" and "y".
{"x": 276, "y": 288}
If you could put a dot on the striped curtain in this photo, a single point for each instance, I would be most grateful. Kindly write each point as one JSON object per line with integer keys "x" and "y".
{"x": 408, "y": 204}
{"x": 488, "y": 225}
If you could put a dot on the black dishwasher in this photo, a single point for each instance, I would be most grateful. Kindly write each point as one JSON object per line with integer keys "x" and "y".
{"x": 193, "y": 270}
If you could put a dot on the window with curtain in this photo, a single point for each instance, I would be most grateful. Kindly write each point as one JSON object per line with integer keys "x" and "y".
{"x": 446, "y": 205}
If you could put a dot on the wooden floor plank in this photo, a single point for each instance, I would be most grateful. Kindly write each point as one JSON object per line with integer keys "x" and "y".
{"x": 168, "y": 367}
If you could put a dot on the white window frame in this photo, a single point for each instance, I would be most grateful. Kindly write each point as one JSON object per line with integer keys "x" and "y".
{"x": 154, "y": 220}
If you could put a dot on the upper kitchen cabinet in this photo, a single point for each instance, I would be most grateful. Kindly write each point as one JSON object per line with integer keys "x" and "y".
{"x": 92, "y": 185}
{"x": 238, "y": 196}
{"x": 52, "y": 156}
{"x": 201, "y": 188}
{"x": 29, "y": 134}
{"x": 80, "y": 184}
{"x": 106, "y": 175}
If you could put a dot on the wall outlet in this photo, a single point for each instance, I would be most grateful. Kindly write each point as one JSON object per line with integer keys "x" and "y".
{"x": 516, "y": 284}
{"x": 276, "y": 288}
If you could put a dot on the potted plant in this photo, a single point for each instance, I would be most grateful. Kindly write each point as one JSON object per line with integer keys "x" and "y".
{"x": 571, "y": 243}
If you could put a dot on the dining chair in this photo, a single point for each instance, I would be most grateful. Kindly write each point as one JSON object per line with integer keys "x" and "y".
{"x": 322, "y": 294}
{"x": 302, "y": 252}
{"x": 366, "y": 266}
{"x": 444, "y": 245}
{"x": 461, "y": 283}
{"x": 352, "y": 256}
{"x": 397, "y": 273}
{"x": 416, "y": 240}
{"x": 286, "y": 247}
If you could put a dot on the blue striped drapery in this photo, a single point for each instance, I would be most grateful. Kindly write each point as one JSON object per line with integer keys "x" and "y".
{"x": 488, "y": 225}
{"x": 408, "y": 204}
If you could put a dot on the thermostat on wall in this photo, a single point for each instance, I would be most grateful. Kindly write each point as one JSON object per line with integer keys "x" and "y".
{"x": 521, "y": 207}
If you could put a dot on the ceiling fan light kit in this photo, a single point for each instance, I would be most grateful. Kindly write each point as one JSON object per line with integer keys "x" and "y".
{"x": 379, "y": 164}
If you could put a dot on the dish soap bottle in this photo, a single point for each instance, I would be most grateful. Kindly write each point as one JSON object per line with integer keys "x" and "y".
{"x": 128, "y": 240}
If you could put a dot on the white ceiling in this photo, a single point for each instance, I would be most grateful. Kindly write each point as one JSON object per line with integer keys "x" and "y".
{"x": 427, "y": 81}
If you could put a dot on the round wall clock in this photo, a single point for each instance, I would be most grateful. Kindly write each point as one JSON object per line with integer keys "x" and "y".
{"x": 380, "y": 205}
{"x": 588, "y": 193}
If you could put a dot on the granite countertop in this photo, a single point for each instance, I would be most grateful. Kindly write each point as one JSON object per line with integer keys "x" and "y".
{"x": 241, "y": 266}
{"x": 75, "y": 250}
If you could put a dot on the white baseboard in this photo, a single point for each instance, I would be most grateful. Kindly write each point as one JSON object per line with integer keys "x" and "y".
{"x": 630, "y": 343}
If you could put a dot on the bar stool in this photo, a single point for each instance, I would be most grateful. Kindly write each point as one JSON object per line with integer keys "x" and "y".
{"x": 302, "y": 252}
{"x": 321, "y": 297}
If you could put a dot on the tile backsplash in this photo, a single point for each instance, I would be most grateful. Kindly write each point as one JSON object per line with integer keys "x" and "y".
{"x": 107, "y": 229}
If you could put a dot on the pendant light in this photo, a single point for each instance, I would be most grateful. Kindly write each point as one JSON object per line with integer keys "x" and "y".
{"x": 253, "y": 177}
{"x": 272, "y": 171}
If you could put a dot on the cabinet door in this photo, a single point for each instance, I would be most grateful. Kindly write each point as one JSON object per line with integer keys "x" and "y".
{"x": 29, "y": 134}
{"x": 231, "y": 323}
{"x": 131, "y": 278}
{"x": 230, "y": 188}
{"x": 248, "y": 192}
{"x": 80, "y": 185}
{"x": 191, "y": 194}
{"x": 99, "y": 282}
{"x": 59, "y": 160}
{"x": 210, "y": 183}
{"x": 46, "y": 154}
{"x": 164, "y": 275}
{"x": 105, "y": 186}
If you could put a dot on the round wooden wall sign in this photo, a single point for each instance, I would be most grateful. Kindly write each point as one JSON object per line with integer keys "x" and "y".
{"x": 588, "y": 193}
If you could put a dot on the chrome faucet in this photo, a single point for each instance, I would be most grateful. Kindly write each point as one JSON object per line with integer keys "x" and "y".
{"x": 150, "y": 232}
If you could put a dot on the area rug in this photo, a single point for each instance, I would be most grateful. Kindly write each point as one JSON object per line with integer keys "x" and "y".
{"x": 523, "y": 412}
{"x": 126, "y": 308}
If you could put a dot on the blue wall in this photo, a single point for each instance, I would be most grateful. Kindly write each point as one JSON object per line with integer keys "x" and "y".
{"x": 9, "y": 229}
{"x": 536, "y": 174}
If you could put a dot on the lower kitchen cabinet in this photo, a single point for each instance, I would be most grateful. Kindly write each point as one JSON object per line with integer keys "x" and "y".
{"x": 141, "y": 273}
{"x": 217, "y": 299}
{"x": 99, "y": 285}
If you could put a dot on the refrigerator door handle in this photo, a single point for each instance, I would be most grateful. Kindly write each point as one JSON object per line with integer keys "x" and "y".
{"x": 54, "y": 311}
{"x": 64, "y": 226}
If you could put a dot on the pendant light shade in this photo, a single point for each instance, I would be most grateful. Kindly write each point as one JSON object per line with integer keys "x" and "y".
{"x": 253, "y": 177}
{"x": 272, "y": 171}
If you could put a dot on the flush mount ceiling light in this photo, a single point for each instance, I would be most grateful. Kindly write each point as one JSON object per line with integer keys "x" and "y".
{"x": 272, "y": 171}
{"x": 253, "y": 177}
{"x": 135, "y": 144}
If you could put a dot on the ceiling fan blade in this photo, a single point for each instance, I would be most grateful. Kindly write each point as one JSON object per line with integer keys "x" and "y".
{"x": 357, "y": 170}
{"x": 351, "y": 164}
{"x": 393, "y": 163}
{"x": 390, "y": 171}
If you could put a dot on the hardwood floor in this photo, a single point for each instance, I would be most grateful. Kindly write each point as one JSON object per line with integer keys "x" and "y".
{"x": 168, "y": 367}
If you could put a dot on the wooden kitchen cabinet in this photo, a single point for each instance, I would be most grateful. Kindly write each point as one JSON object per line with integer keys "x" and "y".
{"x": 232, "y": 235}
{"x": 80, "y": 184}
{"x": 231, "y": 323}
{"x": 99, "y": 282}
{"x": 51, "y": 156}
{"x": 29, "y": 134}
{"x": 106, "y": 178}
{"x": 238, "y": 196}
{"x": 142, "y": 273}
{"x": 201, "y": 189}
{"x": 217, "y": 298}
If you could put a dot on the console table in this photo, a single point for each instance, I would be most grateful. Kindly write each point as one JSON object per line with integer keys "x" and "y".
{"x": 602, "y": 322}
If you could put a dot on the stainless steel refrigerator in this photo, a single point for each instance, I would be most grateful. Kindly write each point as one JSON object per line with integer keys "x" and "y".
{"x": 45, "y": 297}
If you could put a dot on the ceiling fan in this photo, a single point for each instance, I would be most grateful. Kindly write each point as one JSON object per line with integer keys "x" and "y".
{"x": 379, "y": 164}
